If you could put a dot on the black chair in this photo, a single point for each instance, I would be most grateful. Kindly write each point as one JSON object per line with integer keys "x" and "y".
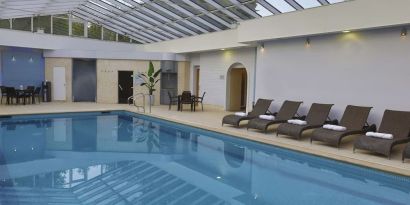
{"x": 11, "y": 94}
{"x": 36, "y": 94}
{"x": 186, "y": 98}
{"x": 3, "y": 90}
{"x": 172, "y": 100}
{"x": 28, "y": 94}
{"x": 200, "y": 100}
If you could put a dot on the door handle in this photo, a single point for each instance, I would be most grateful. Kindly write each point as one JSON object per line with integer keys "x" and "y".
{"x": 120, "y": 87}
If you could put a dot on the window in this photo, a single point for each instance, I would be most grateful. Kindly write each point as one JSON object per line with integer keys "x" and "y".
{"x": 308, "y": 3}
{"x": 281, "y": 5}
{"x": 22, "y": 24}
{"x": 60, "y": 25}
{"x": 123, "y": 38}
{"x": 262, "y": 10}
{"x": 77, "y": 27}
{"x": 109, "y": 35}
{"x": 4, "y": 23}
{"x": 135, "y": 41}
{"x": 42, "y": 24}
{"x": 94, "y": 31}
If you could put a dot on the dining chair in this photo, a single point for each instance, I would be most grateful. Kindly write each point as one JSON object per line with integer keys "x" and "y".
{"x": 36, "y": 94}
{"x": 11, "y": 95}
{"x": 3, "y": 90}
{"x": 172, "y": 100}
{"x": 186, "y": 98}
{"x": 200, "y": 100}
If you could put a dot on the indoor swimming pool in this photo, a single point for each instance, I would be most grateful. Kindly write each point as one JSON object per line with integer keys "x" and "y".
{"x": 121, "y": 157}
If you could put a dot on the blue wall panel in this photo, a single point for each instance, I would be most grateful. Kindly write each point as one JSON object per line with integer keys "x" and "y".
{"x": 22, "y": 67}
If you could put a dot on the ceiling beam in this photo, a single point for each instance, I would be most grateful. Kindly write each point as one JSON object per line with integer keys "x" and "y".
{"x": 269, "y": 7}
{"x": 294, "y": 4}
{"x": 211, "y": 15}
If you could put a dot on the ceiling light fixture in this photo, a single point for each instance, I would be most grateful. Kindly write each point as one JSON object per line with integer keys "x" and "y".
{"x": 346, "y": 31}
{"x": 307, "y": 42}
{"x": 222, "y": 49}
{"x": 403, "y": 32}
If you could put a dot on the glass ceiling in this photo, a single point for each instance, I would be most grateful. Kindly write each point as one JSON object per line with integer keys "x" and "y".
{"x": 149, "y": 21}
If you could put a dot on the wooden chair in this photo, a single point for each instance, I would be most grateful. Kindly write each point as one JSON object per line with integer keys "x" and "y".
{"x": 186, "y": 98}
{"x": 200, "y": 100}
{"x": 172, "y": 100}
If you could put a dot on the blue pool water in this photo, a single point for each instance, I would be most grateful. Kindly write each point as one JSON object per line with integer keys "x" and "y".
{"x": 124, "y": 158}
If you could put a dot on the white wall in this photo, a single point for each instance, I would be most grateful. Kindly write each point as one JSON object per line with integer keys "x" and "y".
{"x": 47, "y": 41}
{"x": 369, "y": 68}
{"x": 215, "y": 65}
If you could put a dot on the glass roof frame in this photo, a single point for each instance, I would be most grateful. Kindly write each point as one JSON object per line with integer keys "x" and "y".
{"x": 150, "y": 21}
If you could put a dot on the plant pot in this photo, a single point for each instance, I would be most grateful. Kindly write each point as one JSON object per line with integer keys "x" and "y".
{"x": 151, "y": 99}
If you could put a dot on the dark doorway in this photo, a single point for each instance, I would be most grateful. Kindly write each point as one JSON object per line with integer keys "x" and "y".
{"x": 125, "y": 86}
{"x": 84, "y": 80}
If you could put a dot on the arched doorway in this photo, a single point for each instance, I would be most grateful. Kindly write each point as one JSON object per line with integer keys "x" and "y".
{"x": 237, "y": 86}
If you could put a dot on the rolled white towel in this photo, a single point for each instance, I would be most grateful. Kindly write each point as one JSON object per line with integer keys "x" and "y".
{"x": 380, "y": 135}
{"x": 242, "y": 114}
{"x": 267, "y": 117}
{"x": 335, "y": 127}
{"x": 297, "y": 122}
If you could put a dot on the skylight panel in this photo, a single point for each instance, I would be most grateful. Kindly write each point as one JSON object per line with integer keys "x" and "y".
{"x": 281, "y": 5}
{"x": 138, "y": 1}
{"x": 335, "y": 1}
{"x": 99, "y": 5}
{"x": 262, "y": 10}
{"x": 125, "y": 3}
{"x": 308, "y": 3}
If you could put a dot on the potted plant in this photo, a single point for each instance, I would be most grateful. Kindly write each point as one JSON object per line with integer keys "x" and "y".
{"x": 149, "y": 80}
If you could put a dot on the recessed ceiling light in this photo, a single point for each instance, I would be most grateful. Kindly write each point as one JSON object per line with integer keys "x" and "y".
{"x": 222, "y": 49}
{"x": 346, "y": 31}
{"x": 218, "y": 177}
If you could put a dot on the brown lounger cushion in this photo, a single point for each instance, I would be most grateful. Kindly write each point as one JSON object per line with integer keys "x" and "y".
{"x": 260, "y": 108}
{"x": 354, "y": 118}
{"x": 393, "y": 122}
{"x": 316, "y": 116}
{"x": 286, "y": 112}
{"x": 406, "y": 152}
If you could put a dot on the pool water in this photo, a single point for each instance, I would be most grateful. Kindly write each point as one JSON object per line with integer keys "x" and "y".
{"x": 124, "y": 158}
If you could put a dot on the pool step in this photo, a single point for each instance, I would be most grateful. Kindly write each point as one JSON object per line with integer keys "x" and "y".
{"x": 49, "y": 196}
{"x": 141, "y": 183}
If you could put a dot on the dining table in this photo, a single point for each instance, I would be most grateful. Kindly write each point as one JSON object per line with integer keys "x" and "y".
{"x": 193, "y": 97}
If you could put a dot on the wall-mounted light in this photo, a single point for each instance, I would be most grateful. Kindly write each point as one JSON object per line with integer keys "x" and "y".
{"x": 30, "y": 60}
{"x": 307, "y": 42}
{"x": 13, "y": 58}
{"x": 346, "y": 31}
{"x": 262, "y": 46}
{"x": 222, "y": 49}
{"x": 403, "y": 32}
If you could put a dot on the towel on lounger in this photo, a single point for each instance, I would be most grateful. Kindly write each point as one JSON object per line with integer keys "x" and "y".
{"x": 267, "y": 117}
{"x": 242, "y": 114}
{"x": 380, "y": 135}
{"x": 297, "y": 122}
{"x": 335, "y": 127}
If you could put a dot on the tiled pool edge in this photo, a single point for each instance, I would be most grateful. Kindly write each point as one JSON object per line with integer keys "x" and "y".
{"x": 308, "y": 150}
{"x": 355, "y": 161}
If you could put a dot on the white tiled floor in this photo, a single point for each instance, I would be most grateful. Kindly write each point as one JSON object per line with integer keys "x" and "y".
{"x": 211, "y": 119}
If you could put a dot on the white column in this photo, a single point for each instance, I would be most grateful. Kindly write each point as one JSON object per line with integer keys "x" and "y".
{"x": 32, "y": 24}
{"x": 51, "y": 21}
{"x": 86, "y": 29}
{"x": 70, "y": 24}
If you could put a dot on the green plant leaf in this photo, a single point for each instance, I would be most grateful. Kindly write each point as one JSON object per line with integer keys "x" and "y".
{"x": 142, "y": 84}
{"x": 153, "y": 90}
{"x": 157, "y": 73}
{"x": 150, "y": 69}
{"x": 151, "y": 79}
